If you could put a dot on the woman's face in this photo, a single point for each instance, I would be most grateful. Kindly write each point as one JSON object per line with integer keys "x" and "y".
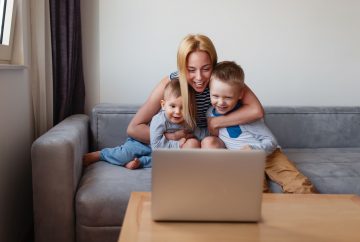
{"x": 198, "y": 70}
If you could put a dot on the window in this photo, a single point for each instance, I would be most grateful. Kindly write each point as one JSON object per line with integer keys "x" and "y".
{"x": 7, "y": 18}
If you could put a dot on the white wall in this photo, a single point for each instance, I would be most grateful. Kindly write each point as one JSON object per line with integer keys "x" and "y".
{"x": 293, "y": 52}
{"x": 90, "y": 36}
{"x": 16, "y": 136}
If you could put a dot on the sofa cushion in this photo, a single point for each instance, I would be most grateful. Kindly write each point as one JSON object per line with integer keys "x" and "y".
{"x": 104, "y": 192}
{"x": 109, "y": 123}
{"x": 332, "y": 170}
{"x": 294, "y": 127}
{"x": 315, "y": 127}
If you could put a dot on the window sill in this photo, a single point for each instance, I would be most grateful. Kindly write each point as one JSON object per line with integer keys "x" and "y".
{"x": 11, "y": 67}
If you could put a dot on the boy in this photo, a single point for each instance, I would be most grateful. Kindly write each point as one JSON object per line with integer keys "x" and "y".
{"x": 226, "y": 91}
{"x": 134, "y": 154}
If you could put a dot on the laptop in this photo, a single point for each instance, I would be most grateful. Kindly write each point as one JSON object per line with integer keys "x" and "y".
{"x": 207, "y": 185}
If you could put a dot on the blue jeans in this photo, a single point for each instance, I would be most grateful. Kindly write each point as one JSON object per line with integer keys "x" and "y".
{"x": 125, "y": 153}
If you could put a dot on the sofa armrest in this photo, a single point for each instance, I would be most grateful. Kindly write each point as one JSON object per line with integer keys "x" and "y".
{"x": 56, "y": 171}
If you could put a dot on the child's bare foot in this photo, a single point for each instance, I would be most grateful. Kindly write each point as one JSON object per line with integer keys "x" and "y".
{"x": 134, "y": 164}
{"x": 91, "y": 158}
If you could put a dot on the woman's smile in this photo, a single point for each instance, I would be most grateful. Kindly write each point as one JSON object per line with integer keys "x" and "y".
{"x": 199, "y": 70}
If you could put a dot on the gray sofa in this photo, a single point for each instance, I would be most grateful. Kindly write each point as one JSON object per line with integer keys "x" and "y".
{"x": 72, "y": 204}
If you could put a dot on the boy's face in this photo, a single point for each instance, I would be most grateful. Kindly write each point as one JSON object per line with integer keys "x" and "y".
{"x": 173, "y": 109}
{"x": 224, "y": 97}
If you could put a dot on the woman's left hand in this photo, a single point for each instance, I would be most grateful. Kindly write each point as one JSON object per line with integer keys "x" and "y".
{"x": 177, "y": 135}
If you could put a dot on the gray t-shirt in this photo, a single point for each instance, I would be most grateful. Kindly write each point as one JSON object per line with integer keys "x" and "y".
{"x": 160, "y": 125}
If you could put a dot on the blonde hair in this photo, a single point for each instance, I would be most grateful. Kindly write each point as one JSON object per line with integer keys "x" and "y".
{"x": 188, "y": 45}
{"x": 230, "y": 73}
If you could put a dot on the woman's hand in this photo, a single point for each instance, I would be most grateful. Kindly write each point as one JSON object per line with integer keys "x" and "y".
{"x": 213, "y": 126}
{"x": 182, "y": 142}
{"x": 177, "y": 135}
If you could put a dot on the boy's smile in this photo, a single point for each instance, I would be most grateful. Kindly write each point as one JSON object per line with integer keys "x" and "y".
{"x": 224, "y": 97}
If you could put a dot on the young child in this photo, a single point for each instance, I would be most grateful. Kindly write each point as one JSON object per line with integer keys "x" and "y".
{"x": 170, "y": 119}
{"x": 226, "y": 90}
{"x": 134, "y": 154}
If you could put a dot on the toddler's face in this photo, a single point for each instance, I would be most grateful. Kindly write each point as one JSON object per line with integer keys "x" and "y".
{"x": 173, "y": 109}
{"x": 224, "y": 97}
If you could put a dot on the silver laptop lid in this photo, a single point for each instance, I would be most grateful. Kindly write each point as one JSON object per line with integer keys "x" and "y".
{"x": 207, "y": 185}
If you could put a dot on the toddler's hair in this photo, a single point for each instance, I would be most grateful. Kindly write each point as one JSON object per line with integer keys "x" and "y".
{"x": 172, "y": 89}
{"x": 229, "y": 72}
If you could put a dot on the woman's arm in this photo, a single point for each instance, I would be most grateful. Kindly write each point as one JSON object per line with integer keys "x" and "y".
{"x": 250, "y": 110}
{"x": 138, "y": 127}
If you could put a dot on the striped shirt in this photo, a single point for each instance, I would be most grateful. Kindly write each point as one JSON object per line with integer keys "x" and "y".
{"x": 202, "y": 103}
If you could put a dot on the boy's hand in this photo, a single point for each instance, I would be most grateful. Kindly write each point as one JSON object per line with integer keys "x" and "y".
{"x": 212, "y": 126}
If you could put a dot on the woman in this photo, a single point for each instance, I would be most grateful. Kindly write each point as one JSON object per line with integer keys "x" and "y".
{"x": 196, "y": 59}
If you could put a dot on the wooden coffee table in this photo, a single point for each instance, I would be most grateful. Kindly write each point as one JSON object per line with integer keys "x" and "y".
{"x": 285, "y": 217}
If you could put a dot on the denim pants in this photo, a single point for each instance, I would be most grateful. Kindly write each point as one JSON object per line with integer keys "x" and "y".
{"x": 127, "y": 152}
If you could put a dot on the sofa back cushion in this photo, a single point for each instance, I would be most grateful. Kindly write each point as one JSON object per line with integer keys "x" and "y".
{"x": 315, "y": 127}
{"x": 294, "y": 127}
{"x": 109, "y": 123}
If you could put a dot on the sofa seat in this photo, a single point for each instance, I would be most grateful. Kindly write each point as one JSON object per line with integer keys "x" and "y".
{"x": 333, "y": 170}
{"x": 102, "y": 198}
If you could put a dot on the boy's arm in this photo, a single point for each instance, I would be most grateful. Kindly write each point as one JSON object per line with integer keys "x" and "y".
{"x": 157, "y": 137}
{"x": 262, "y": 133}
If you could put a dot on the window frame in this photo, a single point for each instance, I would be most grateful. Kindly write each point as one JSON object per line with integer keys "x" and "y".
{"x": 6, "y": 50}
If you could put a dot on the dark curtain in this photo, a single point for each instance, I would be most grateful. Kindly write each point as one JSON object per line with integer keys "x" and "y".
{"x": 68, "y": 78}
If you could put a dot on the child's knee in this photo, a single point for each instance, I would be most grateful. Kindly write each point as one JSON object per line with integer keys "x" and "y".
{"x": 212, "y": 142}
{"x": 192, "y": 143}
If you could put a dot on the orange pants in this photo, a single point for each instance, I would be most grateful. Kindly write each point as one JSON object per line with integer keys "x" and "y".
{"x": 282, "y": 171}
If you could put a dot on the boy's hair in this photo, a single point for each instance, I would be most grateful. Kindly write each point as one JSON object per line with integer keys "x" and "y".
{"x": 229, "y": 72}
{"x": 172, "y": 88}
